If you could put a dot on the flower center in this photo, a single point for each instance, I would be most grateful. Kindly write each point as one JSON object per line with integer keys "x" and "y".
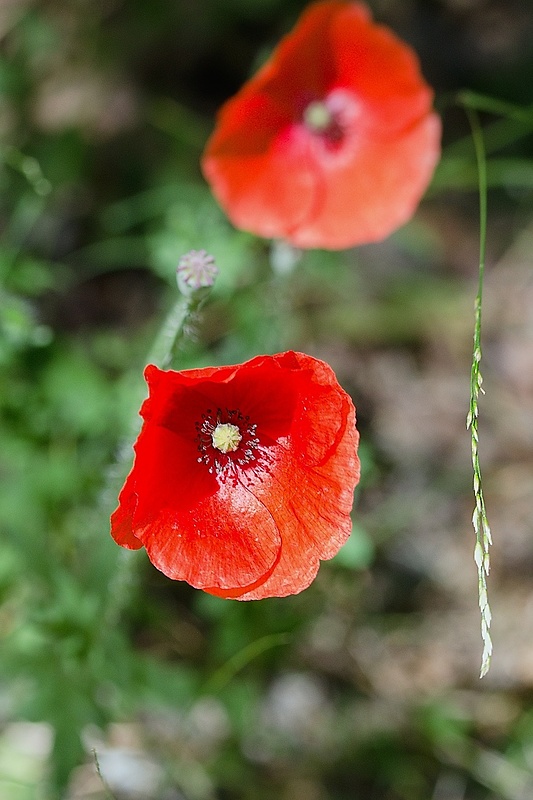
{"x": 332, "y": 119}
{"x": 226, "y": 437}
{"x": 318, "y": 117}
{"x": 226, "y": 440}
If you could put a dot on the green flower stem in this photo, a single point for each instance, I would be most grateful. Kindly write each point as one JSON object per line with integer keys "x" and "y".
{"x": 479, "y": 518}
{"x": 163, "y": 350}
{"x": 162, "y": 354}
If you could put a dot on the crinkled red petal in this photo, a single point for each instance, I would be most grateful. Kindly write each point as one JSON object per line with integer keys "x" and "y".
{"x": 195, "y": 525}
{"x": 310, "y": 491}
{"x": 227, "y": 541}
{"x": 122, "y": 517}
{"x": 255, "y": 530}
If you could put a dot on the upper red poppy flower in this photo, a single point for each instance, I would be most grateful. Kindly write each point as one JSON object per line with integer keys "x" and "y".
{"x": 243, "y": 476}
{"x": 333, "y": 142}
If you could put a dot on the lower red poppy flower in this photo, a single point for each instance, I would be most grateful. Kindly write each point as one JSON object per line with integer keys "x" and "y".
{"x": 333, "y": 142}
{"x": 243, "y": 476}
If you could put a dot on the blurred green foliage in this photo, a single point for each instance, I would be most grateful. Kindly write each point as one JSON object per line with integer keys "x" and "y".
{"x": 104, "y": 109}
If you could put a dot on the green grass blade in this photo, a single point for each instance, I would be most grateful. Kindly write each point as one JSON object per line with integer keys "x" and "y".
{"x": 479, "y": 518}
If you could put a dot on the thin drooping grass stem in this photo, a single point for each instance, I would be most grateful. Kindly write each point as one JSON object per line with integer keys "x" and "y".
{"x": 479, "y": 517}
{"x": 107, "y": 792}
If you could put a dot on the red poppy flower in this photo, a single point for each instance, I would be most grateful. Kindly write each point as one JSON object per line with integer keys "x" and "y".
{"x": 243, "y": 476}
{"x": 333, "y": 142}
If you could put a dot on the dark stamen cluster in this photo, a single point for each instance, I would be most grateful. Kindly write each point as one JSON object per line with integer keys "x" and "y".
{"x": 214, "y": 459}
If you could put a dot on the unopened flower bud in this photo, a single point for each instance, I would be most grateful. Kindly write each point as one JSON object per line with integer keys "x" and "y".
{"x": 196, "y": 270}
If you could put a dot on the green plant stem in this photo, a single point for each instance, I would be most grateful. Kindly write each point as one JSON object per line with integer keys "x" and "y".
{"x": 163, "y": 348}
{"x": 479, "y": 518}
{"x": 236, "y": 663}
{"x": 162, "y": 355}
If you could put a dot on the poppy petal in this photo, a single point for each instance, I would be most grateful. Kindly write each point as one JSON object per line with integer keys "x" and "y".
{"x": 226, "y": 542}
{"x": 277, "y": 176}
{"x": 250, "y": 516}
{"x": 257, "y": 152}
{"x": 194, "y": 525}
{"x": 345, "y": 217}
{"x": 381, "y": 71}
{"x": 310, "y": 491}
{"x": 122, "y": 517}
